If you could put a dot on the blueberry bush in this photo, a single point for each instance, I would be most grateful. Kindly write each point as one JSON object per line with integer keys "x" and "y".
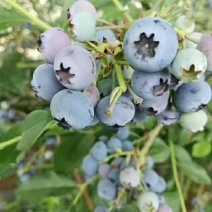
{"x": 105, "y": 106}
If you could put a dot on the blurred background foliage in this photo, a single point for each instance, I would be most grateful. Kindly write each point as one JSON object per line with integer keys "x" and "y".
{"x": 51, "y": 186}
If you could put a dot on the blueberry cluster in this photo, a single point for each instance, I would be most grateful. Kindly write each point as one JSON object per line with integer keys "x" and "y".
{"x": 33, "y": 163}
{"x": 170, "y": 80}
{"x": 114, "y": 161}
{"x": 164, "y": 80}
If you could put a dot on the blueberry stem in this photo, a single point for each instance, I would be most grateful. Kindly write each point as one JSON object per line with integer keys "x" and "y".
{"x": 120, "y": 77}
{"x": 121, "y": 8}
{"x": 7, "y": 143}
{"x": 143, "y": 153}
{"x": 137, "y": 99}
{"x": 109, "y": 111}
{"x": 24, "y": 12}
{"x": 83, "y": 189}
{"x": 119, "y": 154}
{"x": 175, "y": 174}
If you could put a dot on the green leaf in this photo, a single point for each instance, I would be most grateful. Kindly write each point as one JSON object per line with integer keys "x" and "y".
{"x": 173, "y": 200}
{"x": 105, "y": 86}
{"x": 160, "y": 151}
{"x": 71, "y": 152}
{"x": 44, "y": 185}
{"x": 182, "y": 154}
{"x": 12, "y": 79}
{"x": 195, "y": 172}
{"x": 201, "y": 149}
{"x": 7, "y": 20}
{"x": 41, "y": 120}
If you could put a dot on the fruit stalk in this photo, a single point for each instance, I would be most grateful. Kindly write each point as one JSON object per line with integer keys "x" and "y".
{"x": 150, "y": 141}
{"x": 34, "y": 19}
{"x": 175, "y": 174}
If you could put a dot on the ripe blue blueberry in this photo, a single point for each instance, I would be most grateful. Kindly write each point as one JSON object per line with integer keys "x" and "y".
{"x": 71, "y": 109}
{"x": 160, "y": 185}
{"x": 103, "y": 170}
{"x": 123, "y": 112}
{"x": 150, "y": 44}
{"x": 151, "y": 178}
{"x": 114, "y": 144}
{"x": 71, "y": 71}
{"x": 99, "y": 151}
{"x": 150, "y": 85}
{"x": 191, "y": 97}
{"x": 123, "y": 133}
{"x": 90, "y": 165}
{"x": 44, "y": 82}
{"x": 168, "y": 117}
{"x": 127, "y": 146}
{"x": 156, "y": 105}
{"x": 103, "y": 35}
{"x": 140, "y": 117}
{"x": 51, "y": 42}
{"x": 106, "y": 190}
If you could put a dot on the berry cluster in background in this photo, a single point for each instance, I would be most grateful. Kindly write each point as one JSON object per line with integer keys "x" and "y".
{"x": 114, "y": 162}
{"x": 161, "y": 76}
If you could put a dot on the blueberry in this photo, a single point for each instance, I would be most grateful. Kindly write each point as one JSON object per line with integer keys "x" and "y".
{"x": 194, "y": 121}
{"x": 25, "y": 178}
{"x": 44, "y": 82}
{"x": 93, "y": 94}
{"x": 191, "y": 97}
{"x": 118, "y": 161}
{"x": 150, "y": 85}
{"x": 113, "y": 144}
{"x": 151, "y": 178}
{"x": 51, "y": 42}
{"x": 150, "y": 44}
{"x": 168, "y": 117}
{"x": 84, "y": 27}
{"x": 71, "y": 71}
{"x": 99, "y": 151}
{"x": 106, "y": 190}
{"x": 71, "y": 109}
{"x": 156, "y": 105}
{"x": 113, "y": 174}
{"x": 104, "y": 169}
{"x": 148, "y": 201}
{"x": 123, "y": 133}
{"x": 94, "y": 122}
{"x": 107, "y": 34}
{"x": 205, "y": 47}
{"x": 127, "y": 146}
{"x": 189, "y": 65}
{"x": 81, "y": 7}
{"x": 90, "y": 165}
{"x": 123, "y": 112}
{"x": 164, "y": 208}
{"x": 129, "y": 177}
{"x": 140, "y": 117}
{"x": 160, "y": 185}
